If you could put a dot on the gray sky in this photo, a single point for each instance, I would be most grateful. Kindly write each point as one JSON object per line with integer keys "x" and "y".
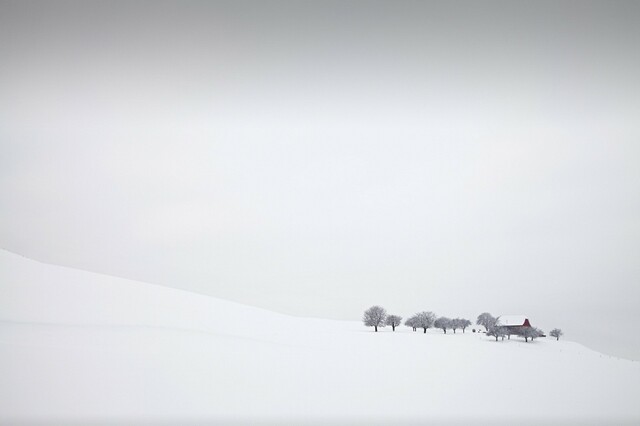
{"x": 317, "y": 158}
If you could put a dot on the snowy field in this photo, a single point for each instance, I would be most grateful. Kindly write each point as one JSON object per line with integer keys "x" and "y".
{"x": 84, "y": 348}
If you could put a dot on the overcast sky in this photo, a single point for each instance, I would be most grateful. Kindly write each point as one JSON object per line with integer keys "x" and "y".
{"x": 318, "y": 158}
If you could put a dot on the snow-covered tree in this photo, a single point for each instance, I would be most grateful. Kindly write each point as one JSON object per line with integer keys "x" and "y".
{"x": 497, "y": 331}
{"x": 463, "y": 324}
{"x": 455, "y": 323}
{"x": 411, "y": 322}
{"x": 530, "y": 333}
{"x": 539, "y": 333}
{"x": 425, "y": 320}
{"x": 443, "y": 323}
{"x": 375, "y": 317}
{"x": 486, "y": 320}
{"x": 556, "y": 332}
{"x": 393, "y": 321}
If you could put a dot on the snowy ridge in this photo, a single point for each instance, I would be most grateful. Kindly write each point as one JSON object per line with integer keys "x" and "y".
{"x": 36, "y": 292}
{"x": 82, "y": 347}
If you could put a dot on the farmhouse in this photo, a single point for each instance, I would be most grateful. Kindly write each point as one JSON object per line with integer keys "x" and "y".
{"x": 513, "y": 321}
{"x": 512, "y": 324}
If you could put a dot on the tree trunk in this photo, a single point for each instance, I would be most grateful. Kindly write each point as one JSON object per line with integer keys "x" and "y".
{"x": 454, "y": 331}
{"x": 376, "y": 327}
{"x": 557, "y": 338}
{"x": 526, "y": 339}
{"x": 425, "y": 330}
{"x": 445, "y": 330}
{"x": 393, "y": 327}
{"x": 496, "y": 338}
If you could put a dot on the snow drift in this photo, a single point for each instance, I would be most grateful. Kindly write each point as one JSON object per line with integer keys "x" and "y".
{"x": 87, "y": 348}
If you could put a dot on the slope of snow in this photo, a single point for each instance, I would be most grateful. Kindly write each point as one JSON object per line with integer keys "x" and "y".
{"x": 83, "y": 347}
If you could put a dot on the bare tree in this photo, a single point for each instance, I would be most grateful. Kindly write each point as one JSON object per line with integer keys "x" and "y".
{"x": 425, "y": 320}
{"x": 538, "y": 333}
{"x": 464, "y": 323}
{"x": 556, "y": 332}
{"x": 393, "y": 321}
{"x": 456, "y": 323}
{"x": 375, "y": 317}
{"x": 411, "y": 322}
{"x": 486, "y": 320}
{"x": 497, "y": 331}
{"x": 443, "y": 323}
{"x": 530, "y": 333}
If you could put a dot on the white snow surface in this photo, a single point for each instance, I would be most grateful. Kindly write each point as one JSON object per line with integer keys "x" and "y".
{"x": 83, "y": 348}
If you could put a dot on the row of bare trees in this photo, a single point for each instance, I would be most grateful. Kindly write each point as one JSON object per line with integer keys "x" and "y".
{"x": 376, "y": 316}
{"x": 526, "y": 332}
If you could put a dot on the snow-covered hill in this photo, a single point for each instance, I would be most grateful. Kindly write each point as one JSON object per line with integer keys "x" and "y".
{"x": 84, "y": 347}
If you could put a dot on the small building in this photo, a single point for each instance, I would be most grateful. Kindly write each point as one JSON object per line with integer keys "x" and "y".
{"x": 511, "y": 321}
{"x": 512, "y": 324}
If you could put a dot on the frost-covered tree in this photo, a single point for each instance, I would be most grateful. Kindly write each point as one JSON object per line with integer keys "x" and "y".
{"x": 459, "y": 323}
{"x": 538, "y": 333}
{"x": 425, "y": 320}
{"x": 393, "y": 321}
{"x": 530, "y": 333}
{"x": 455, "y": 324}
{"x": 443, "y": 323}
{"x": 556, "y": 332}
{"x": 375, "y": 317}
{"x": 463, "y": 324}
{"x": 411, "y": 322}
{"x": 486, "y": 320}
{"x": 497, "y": 331}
